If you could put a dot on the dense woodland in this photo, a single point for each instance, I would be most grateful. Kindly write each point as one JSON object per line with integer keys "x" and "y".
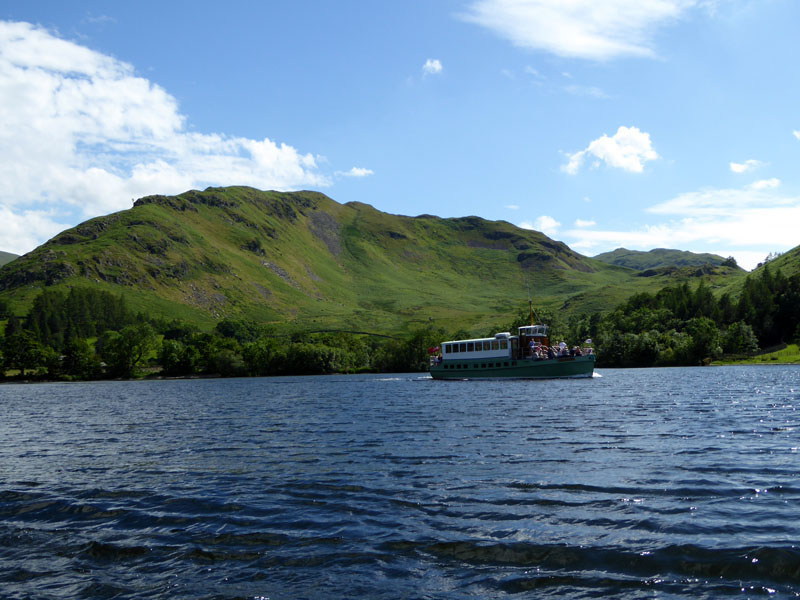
{"x": 87, "y": 334}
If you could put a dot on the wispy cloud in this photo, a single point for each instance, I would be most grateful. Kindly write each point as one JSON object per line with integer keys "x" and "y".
{"x": 765, "y": 184}
{"x": 584, "y": 223}
{"x": 432, "y": 66}
{"x": 99, "y": 19}
{"x": 356, "y": 172}
{"x": 748, "y": 165}
{"x": 586, "y": 90}
{"x": 83, "y": 134}
{"x": 512, "y": 206}
{"x": 710, "y": 220}
{"x": 628, "y": 149}
{"x": 585, "y": 29}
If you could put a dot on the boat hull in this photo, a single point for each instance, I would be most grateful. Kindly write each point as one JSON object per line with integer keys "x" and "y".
{"x": 560, "y": 367}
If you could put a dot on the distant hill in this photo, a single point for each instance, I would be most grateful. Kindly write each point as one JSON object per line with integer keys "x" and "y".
{"x": 658, "y": 258}
{"x": 300, "y": 260}
{"x": 6, "y": 257}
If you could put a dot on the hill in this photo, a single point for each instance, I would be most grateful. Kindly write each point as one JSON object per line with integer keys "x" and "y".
{"x": 788, "y": 262}
{"x": 301, "y": 260}
{"x": 6, "y": 257}
{"x": 658, "y": 258}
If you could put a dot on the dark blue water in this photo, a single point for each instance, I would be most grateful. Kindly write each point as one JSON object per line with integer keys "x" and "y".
{"x": 670, "y": 483}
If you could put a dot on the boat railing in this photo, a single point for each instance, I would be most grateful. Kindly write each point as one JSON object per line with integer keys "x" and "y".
{"x": 541, "y": 352}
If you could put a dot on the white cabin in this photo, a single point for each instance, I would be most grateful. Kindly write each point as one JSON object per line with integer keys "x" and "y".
{"x": 497, "y": 347}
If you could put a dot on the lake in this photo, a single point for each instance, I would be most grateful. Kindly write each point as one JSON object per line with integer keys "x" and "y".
{"x": 663, "y": 483}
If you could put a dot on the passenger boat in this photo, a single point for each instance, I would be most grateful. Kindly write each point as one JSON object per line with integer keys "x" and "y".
{"x": 528, "y": 355}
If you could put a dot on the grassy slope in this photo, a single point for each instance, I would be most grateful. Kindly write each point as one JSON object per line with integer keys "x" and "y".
{"x": 788, "y": 355}
{"x": 788, "y": 262}
{"x": 301, "y": 260}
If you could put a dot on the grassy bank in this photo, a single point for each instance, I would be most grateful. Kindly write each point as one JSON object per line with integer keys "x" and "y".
{"x": 788, "y": 355}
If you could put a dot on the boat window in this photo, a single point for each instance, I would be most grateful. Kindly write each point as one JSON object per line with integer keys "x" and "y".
{"x": 505, "y": 364}
{"x": 504, "y": 344}
{"x": 495, "y": 345}
{"x": 483, "y": 366}
{"x": 448, "y": 348}
{"x": 463, "y": 347}
{"x": 470, "y": 347}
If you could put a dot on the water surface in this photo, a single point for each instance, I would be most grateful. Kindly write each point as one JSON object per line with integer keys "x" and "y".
{"x": 665, "y": 483}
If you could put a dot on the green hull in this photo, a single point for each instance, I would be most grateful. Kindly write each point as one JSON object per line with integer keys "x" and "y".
{"x": 563, "y": 366}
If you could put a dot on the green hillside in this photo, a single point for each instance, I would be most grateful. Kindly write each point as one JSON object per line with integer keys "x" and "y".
{"x": 788, "y": 262}
{"x": 658, "y": 258}
{"x": 6, "y": 257}
{"x": 303, "y": 261}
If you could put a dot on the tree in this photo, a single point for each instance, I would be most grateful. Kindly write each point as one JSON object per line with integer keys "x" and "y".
{"x": 410, "y": 354}
{"x": 23, "y": 351}
{"x": 79, "y": 359}
{"x": 730, "y": 262}
{"x": 705, "y": 339}
{"x": 739, "y": 338}
{"x": 124, "y": 351}
{"x": 178, "y": 358}
{"x": 262, "y": 357}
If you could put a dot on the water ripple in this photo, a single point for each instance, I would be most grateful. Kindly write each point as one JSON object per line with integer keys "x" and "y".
{"x": 670, "y": 483}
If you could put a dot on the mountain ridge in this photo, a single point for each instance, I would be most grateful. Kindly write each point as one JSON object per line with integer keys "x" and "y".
{"x": 658, "y": 258}
{"x": 303, "y": 260}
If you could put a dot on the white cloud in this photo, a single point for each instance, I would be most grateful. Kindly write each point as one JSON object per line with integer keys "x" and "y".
{"x": 21, "y": 231}
{"x": 584, "y": 223}
{"x": 585, "y": 29}
{"x": 765, "y": 184}
{"x": 83, "y": 134}
{"x": 512, "y": 206}
{"x": 746, "y": 223}
{"x": 356, "y": 172}
{"x": 432, "y": 66}
{"x": 546, "y": 224}
{"x": 628, "y": 149}
{"x": 796, "y": 134}
{"x": 746, "y": 166}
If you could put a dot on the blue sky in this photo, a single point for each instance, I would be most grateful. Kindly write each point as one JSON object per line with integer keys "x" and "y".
{"x": 622, "y": 123}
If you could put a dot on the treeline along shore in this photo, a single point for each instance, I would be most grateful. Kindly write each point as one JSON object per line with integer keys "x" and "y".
{"x": 85, "y": 334}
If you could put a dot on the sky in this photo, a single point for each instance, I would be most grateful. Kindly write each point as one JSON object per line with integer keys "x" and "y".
{"x": 623, "y": 123}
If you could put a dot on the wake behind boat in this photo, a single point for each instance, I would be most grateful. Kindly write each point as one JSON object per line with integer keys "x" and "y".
{"x": 526, "y": 355}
